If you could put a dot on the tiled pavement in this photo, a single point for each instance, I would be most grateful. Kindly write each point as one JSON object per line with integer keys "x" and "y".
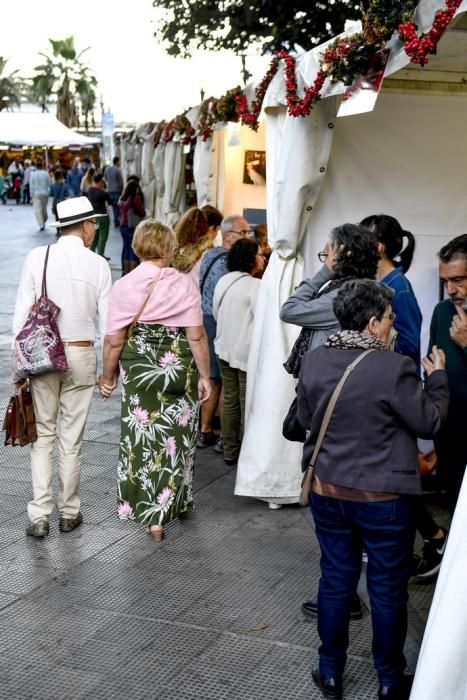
{"x": 104, "y": 612}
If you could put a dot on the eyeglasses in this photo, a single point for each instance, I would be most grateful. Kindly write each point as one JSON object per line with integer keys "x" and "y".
{"x": 391, "y": 316}
{"x": 322, "y": 256}
{"x": 244, "y": 232}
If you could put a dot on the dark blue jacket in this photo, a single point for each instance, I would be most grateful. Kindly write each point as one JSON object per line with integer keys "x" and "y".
{"x": 408, "y": 321}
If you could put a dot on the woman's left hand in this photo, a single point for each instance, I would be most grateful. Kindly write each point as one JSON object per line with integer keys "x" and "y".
{"x": 106, "y": 387}
{"x": 204, "y": 389}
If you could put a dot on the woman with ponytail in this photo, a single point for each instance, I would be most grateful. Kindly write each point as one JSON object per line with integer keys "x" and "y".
{"x": 394, "y": 263}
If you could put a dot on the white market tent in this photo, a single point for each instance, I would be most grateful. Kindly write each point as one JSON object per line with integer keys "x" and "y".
{"x": 406, "y": 158}
{"x": 38, "y": 129}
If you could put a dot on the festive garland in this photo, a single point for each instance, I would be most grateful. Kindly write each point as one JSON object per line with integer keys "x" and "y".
{"x": 417, "y": 47}
{"x": 347, "y": 58}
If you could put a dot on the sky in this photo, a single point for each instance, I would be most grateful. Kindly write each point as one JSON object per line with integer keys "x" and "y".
{"x": 137, "y": 80}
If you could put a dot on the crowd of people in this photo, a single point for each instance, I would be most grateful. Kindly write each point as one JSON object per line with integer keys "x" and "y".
{"x": 177, "y": 328}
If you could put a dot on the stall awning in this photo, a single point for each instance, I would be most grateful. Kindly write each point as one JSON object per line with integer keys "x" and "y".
{"x": 38, "y": 129}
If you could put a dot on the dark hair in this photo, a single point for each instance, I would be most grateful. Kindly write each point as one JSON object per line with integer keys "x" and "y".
{"x": 242, "y": 256}
{"x": 357, "y": 254}
{"x": 132, "y": 178}
{"x": 131, "y": 189}
{"x": 213, "y": 215}
{"x": 115, "y": 160}
{"x": 358, "y": 300}
{"x": 39, "y": 163}
{"x": 458, "y": 246}
{"x": 191, "y": 227}
{"x": 390, "y": 233}
{"x": 58, "y": 176}
{"x": 98, "y": 177}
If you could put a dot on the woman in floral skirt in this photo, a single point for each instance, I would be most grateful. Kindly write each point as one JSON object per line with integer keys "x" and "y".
{"x": 155, "y": 333}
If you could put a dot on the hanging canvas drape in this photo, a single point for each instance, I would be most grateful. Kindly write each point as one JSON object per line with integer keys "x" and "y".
{"x": 159, "y": 186}
{"x": 297, "y": 152}
{"x": 174, "y": 183}
{"x": 147, "y": 173}
{"x": 206, "y": 168}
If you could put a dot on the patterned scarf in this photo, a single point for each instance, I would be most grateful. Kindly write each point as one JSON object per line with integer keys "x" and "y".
{"x": 354, "y": 339}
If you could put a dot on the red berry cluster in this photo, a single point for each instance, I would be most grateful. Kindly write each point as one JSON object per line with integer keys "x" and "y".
{"x": 417, "y": 47}
{"x": 189, "y": 135}
{"x": 300, "y": 107}
{"x": 250, "y": 116}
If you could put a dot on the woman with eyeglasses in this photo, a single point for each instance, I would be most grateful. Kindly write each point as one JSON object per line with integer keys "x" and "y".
{"x": 366, "y": 474}
{"x": 350, "y": 253}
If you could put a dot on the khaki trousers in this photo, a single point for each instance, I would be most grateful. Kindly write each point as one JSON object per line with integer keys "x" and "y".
{"x": 39, "y": 204}
{"x": 69, "y": 393}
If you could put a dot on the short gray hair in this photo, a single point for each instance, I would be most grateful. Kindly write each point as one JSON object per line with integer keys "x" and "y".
{"x": 228, "y": 222}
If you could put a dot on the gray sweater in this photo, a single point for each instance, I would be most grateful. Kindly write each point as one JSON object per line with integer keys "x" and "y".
{"x": 303, "y": 310}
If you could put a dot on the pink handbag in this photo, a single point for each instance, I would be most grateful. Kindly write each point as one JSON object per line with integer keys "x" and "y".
{"x": 38, "y": 345}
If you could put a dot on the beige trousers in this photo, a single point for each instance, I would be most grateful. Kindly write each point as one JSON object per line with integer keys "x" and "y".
{"x": 39, "y": 205}
{"x": 70, "y": 394}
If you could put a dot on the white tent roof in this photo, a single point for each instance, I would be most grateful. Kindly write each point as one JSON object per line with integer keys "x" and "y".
{"x": 38, "y": 129}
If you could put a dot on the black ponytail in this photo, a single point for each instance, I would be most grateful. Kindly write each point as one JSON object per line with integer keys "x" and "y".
{"x": 390, "y": 233}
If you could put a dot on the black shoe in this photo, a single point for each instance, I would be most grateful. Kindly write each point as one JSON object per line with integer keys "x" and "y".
{"x": 310, "y": 608}
{"x": 205, "y": 440}
{"x": 401, "y": 691}
{"x": 219, "y": 446}
{"x": 433, "y": 551}
{"x": 330, "y": 687}
{"x": 231, "y": 462}
{"x": 38, "y": 529}
{"x": 69, "y": 524}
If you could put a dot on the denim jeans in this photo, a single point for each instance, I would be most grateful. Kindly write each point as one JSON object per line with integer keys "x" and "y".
{"x": 386, "y": 530}
{"x": 127, "y": 236}
{"x": 114, "y": 197}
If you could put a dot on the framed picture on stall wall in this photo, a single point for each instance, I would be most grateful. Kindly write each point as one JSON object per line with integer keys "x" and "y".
{"x": 254, "y": 171}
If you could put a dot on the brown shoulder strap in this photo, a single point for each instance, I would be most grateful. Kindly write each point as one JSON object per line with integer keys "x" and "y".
{"x": 332, "y": 403}
{"x": 143, "y": 306}
{"x": 44, "y": 278}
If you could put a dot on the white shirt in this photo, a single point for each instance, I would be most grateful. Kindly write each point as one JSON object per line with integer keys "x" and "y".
{"x": 39, "y": 183}
{"x": 235, "y": 317}
{"x": 78, "y": 281}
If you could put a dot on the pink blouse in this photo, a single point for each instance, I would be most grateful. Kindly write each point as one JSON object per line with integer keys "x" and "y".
{"x": 174, "y": 301}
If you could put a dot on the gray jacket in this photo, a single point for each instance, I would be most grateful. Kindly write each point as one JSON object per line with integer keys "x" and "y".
{"x": 302, "y": 309}
{"x": 371, "y": 441}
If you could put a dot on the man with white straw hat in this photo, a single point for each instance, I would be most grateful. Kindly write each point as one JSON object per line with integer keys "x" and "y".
{"x": 79, "y": 282}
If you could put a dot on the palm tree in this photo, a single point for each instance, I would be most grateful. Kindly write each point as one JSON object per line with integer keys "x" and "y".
{"x": 64, "y": 74}
{"x": 10, "y": 88}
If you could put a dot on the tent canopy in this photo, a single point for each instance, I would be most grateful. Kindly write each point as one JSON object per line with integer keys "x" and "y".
{"x": 38, "y": 129}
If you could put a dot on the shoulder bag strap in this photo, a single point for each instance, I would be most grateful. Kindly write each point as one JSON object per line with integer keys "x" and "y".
{"x": 208, "y": 270}
{"x": 143, "y": 306}
{"x": 44, "y": 281}
{"x": 332, "y": 404}
{"x": 245, "y": 274}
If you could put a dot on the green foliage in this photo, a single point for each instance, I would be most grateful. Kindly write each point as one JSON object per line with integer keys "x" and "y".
{"x": 10, "y": 87}
{"x": 185, "y": 25}
{"x": 64, "y": 74}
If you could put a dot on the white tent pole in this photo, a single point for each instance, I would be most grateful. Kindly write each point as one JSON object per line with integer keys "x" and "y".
{"x": 46, "y": 153}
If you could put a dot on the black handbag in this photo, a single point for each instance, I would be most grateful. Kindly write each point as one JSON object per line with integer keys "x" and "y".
{"x": 291, "y": 428}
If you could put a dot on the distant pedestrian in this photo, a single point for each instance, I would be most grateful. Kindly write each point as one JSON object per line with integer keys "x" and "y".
{"x": 113, "y": 177}
{"x": 131, "y": 213}
{"x": 73, "y": 179}
{"x": 59, "y": 192}
{"x": 28, "y": 169}
{"x": 79, "y": 283}
{"x": 40, "y": 185}
{"x": 86, "y": 181}
{"x": 99, "y": 199}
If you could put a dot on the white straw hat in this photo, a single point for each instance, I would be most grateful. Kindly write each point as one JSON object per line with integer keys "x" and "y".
{"x": 72, "y": 211}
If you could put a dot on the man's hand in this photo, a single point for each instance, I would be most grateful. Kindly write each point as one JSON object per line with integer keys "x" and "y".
{"x": 437, "y": 360}
{"x": 458, "y": 330}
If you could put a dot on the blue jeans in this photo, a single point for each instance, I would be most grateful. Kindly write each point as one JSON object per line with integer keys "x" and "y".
{"x": 127, "y": 236}
{"x": 114, "y": 197}
{"x": 386, "y": 530}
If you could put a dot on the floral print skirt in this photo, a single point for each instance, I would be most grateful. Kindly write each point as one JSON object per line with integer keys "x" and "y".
{"x": 158, "y": 425}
